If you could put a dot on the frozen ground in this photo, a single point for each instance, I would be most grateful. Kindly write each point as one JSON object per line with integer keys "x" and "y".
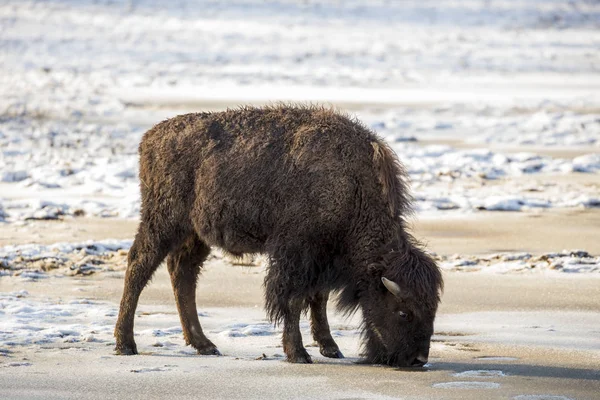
{"x": 522, "y": 332}
{"x": 32, "y": 261}
{"x": 506, "y": 81}
{"x": 497, "y": 345}
{"x": 491, "y": 105}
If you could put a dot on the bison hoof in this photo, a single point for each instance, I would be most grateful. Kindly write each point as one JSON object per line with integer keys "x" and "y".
{"x": 331, "y": 352}
{"x": 126, "y": 350}
{"x": 299, "y": 357}
{"x": 210, "y": 350}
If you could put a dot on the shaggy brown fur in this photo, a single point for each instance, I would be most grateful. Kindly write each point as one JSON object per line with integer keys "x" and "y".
{"x": 316, "y": 191}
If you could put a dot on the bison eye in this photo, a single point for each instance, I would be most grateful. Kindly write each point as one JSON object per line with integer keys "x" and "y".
{"x": 404, "y": 316}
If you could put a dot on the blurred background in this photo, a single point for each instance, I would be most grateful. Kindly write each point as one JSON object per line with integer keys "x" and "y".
{"x": 474, "y": 95}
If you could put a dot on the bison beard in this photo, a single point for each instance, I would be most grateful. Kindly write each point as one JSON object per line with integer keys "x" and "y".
{"x": 316, "y": 191}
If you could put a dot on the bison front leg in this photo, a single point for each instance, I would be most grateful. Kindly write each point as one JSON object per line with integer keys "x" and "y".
{"x": 184, "y": 266}
{"x": 320, "y": 326}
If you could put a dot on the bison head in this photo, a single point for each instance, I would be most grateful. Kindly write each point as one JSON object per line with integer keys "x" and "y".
{"x": 399, "y": 309}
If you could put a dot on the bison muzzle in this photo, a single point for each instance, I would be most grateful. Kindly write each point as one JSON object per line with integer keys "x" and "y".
{"x": 317, "y": 192}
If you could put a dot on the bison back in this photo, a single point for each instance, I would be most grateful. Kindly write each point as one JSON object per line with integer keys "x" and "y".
{"x": 244, "y": 176}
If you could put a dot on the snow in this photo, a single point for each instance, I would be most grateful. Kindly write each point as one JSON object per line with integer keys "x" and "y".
{"x": 492, "y": 358}
{"x": 33, "y": 322}
{"x": 83, "y": 182}
{"x": 34, "y": 261}
{"x": 587, "y": 163}
{"x": 175, "y": 330}
{"x": 466, "y": 385}
{"x": 34, "y": 252}
{"x": 483, "y": 373}
{"x": 492, "y": 75}
{"x": 497, "y": 125}
{"x": 29, "y": 322}
{"x": 242, "y": 330}
{"x": 573, "y": 261}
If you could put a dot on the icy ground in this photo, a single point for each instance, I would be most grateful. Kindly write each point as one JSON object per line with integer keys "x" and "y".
{"x": 29, "y": 321}
{"x": 50, "y": 328}
{"x": 75, "y": 322}
{"x": 490, "y": 105}
{"x": 31, "y": 262}
{"x": 472, "y": 95}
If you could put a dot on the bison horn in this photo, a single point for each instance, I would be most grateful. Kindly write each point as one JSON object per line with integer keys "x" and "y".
{"x": 392, "y": 286}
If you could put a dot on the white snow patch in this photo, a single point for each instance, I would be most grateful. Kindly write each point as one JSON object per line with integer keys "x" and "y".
{"x": 496, "y": 358}
{"x": 587, "y": 163}
{"x": 481, "y": 373}
{"x": 466, "y": 385}
{"x": 77, "y": 256}
{"x": 26, "y": 322}
{"x": 244, "y": 330}
{"x": 175, "y": 330}
{"x": 566, "y": 261}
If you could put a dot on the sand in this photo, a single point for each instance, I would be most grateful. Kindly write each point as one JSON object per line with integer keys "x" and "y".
{"x": 491, "y": 232}
{"x": 477, "y": 233}
{"x": 540, "y": 332}
{"x": 497, "y": 336}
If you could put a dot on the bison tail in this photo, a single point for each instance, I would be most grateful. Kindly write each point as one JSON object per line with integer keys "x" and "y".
{"x": 392, "y": 178}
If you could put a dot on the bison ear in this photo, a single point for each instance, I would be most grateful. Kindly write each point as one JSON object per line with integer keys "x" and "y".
{"x": 392, "y": 286}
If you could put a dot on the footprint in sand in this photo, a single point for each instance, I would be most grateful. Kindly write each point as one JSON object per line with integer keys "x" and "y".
{"x": 466, "y": 385}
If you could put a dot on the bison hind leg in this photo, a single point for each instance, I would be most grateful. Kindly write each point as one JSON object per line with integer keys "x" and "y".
{"x": 320, "y": 326}
{"x": 286, "y": 298}
{"x": 292, "y": 338}
{"x": 287, "y": 310}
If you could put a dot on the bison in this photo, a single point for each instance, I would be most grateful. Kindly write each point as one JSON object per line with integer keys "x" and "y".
{"x": 317, "y": 192}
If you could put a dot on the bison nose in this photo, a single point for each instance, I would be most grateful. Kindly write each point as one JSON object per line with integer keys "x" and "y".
{"x": 419, "y": 361}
